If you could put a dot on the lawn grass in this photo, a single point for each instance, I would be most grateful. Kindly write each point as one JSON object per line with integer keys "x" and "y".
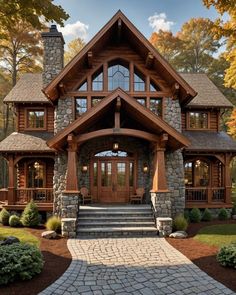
{"x": 217, "y": 235}
{"x": 23, "y": 235}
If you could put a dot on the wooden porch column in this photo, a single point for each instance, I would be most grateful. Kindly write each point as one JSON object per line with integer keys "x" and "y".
{"x": 159, "y": 170}
{"x": 228, "y": 182}
{"x": 72, "y": 179}
{"x": 11, "y": 187}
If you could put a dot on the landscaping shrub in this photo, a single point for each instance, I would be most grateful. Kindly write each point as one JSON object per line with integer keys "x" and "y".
{"x": 54, "y": 223}
{"x": 186, "y": 215}
{"x": 19, "y": 261}
{"x": 14, "y": 221}
{"x": 223, "y": 214}
{"x": 206, "y": 216}
{"x": 180, "y": 223}
{"x": 30, "y": 217}
{"x": 4, "y": 217}
{"x": 195, "y": 215}
{"x": 227, "y": 255}
{"x": 234, "y": 209}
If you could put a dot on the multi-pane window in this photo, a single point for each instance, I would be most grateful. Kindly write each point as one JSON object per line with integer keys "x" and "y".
{"x": 36, "y": 173}
{"x": 96, "y": 100}
{"x": 80, "y": 105}
{"x": 83, "y": 86}
{"x": 197, "y": 173}
{"x": 154, "y": 87}
{"x": 141, "y": 100}
{"x": 139, "y": 84}
{"x": 97, "y": 82}
{"x": 118, "y": 76}
{"x": 198, "y": 120}
{"x": 156, "y": 106}
{"x": 36, "y": 119}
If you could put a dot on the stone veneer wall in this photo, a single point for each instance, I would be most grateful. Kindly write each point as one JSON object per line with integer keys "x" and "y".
{"x": 173, "y": 202}
{"x": 63, "y": 113}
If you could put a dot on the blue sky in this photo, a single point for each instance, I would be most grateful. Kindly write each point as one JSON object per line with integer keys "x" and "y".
{"x": 88, "y": 16}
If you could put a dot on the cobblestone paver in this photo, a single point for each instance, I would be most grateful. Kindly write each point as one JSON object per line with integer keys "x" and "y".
{"x": 142, "y": 266}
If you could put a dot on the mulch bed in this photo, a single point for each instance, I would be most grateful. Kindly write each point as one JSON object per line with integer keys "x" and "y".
{"x": 204, "y": 256}
{"x": 57, "y": 259}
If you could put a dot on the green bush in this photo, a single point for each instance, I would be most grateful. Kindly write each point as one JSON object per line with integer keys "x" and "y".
{"x": 206, "y": 216}
{"x": 19, "y": 261}
{"x": 186, "y": 215}
{"x": 14, "y": 221}
{"x": 227, "y": 255}
{"x": 234, "y": 209}
{"x": 4, "y": 217}
{"x": 223, "y": 214}
{"x": 30, "y": 216}
{"x": 54, "y": 223}
{"x": 195, "y": 215}
{"x": 180, "y": 223}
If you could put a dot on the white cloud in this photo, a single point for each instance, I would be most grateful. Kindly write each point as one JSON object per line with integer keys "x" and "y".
{"x": 74, "y": 30}
{"x": 160, "y": 22}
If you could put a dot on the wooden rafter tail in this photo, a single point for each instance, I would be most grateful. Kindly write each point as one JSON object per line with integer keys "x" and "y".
{"x": 62, "y": 88}
{"x": 90, "y": 59}
{"x": 175, "y": 90}
{"x": 119, "y": 28}
{"x": 149, "y": 60}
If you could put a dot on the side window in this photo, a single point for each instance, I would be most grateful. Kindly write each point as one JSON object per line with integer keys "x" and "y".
{"x": 35, "y": 119}
{"x": 198, "y": 120}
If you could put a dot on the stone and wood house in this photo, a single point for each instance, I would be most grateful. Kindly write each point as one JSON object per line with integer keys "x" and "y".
{"x": 116, "y": 118}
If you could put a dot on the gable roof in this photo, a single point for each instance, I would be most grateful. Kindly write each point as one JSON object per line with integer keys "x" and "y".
{"x": 136, "y": 110}
{"x": 135, "y": 36}
{"x": 207, "y": 92}
{"x": 27, "y": 89}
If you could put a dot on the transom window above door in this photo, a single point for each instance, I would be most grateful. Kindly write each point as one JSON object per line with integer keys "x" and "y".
{"x": 110, "y": 153}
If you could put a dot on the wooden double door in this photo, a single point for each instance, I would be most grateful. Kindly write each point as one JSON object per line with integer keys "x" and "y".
{"x": 112, "y": 179}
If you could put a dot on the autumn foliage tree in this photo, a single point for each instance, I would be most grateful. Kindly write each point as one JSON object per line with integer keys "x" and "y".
{"x": 74, "y": 48}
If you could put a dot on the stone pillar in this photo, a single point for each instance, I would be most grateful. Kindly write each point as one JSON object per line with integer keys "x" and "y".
{"x": 164, "y": 226}
{"x": 53, "y": 59}
{"x": 161, "y": 203}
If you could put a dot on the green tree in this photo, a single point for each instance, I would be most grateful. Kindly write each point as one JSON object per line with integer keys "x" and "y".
{"x": 74, "y": 48}
{"x": 34, "y": 12}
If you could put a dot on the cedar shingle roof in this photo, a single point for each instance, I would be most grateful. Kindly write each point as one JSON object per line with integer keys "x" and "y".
{"x": 26, "y": 142}
{"x": 208, "y": 93}
{"x": 210, "y": 141}
{"x": 27, "y": 89}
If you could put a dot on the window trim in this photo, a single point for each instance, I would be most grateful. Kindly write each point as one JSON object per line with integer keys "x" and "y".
{"x": 27, "y": 110}
{"x": 197, "y": 111}
{"x": 193, "y": 161}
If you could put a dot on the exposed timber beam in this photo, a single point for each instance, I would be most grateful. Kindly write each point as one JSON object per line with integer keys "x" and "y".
{"x": 175, "y": 90}
{"x": 149, "y": 60}
{"x": 62, "y": 88}
{"x": 119, "y": 30}
{"x": 90, "y": 59}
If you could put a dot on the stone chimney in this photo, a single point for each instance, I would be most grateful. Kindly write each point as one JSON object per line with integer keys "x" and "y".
{"x": 53, "y": 59}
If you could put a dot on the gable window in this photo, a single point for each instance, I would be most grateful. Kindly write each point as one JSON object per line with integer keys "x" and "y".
{"x": 96, "y": 100}
{"x": 36, "y": 119}
{"x": 36, "y": 174}
{"x": 139, "y": 84}
{"x": 97, "y": 81}
{"x": 118, "y": 76}
{"x": 198, "y": 120}
{"x": 83, "y": 86}
{"x": 154, "y": 87}
{"x": 196, "y": 173}
{"x": 80, "y": 105}
{"x": 156, "y": 106}
{"x": 141, "y": 100}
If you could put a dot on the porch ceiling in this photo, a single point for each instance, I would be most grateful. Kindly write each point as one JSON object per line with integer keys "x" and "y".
{"x": 154, "y": 126}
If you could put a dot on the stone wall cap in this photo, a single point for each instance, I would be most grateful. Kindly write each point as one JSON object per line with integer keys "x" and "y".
{"x": 68, "y": 219}
{"x": 164, "y": 219}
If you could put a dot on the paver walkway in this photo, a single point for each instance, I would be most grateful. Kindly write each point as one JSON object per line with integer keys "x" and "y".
{"x": 131, "y": 266}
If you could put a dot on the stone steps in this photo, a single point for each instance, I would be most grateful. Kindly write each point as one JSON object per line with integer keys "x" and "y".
{"x": 116, "y": 221}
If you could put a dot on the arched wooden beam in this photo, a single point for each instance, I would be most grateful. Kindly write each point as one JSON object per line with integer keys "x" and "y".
{"x": 122, "y": 132}
{"x": 18, "y": 158}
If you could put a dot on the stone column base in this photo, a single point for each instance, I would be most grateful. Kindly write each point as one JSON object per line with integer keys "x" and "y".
{"x": 164, "y": 226}
{"x": 68, "y": 227}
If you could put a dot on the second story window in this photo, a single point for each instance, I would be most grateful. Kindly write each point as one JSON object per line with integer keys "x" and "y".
{"x": 36, "y": 119}
{"x": 118, "y": 76}
{"x": 80, "y": 106}
{"x": 156, "y": 106}
{"x": 97, "y": 81}
{"x": 139, "y": 84}
{"x": 198, "y": 120}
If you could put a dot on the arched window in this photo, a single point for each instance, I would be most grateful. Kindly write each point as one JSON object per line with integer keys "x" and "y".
{"x": 196, "y": 173}
{"x": 118, "y": 76}
{"x": 97, "y": 81}
{"x": 111, "y": 153}
{"x": 36, "y": 174}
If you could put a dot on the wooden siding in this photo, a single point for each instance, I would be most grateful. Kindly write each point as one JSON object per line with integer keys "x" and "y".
{"x": 21, "y": 116}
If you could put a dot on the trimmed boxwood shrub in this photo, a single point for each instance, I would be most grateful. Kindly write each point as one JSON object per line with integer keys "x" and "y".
{"x": 227, "y": 256}
{"x": 223, "y": 214}
{"x": 54, "y": 223}
{"x": 180, "y": 223}
{"x": 4, "y": 217}
{"x": 14, "y": 221}
{"x": 19, "y": 261}
{"x": 195, "y": 215}
{"x": 206, "y": 216}
{"x": 30, "y": 216}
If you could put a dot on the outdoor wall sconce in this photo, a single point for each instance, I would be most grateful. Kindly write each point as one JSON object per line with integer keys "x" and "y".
{"x": 145, "y": 168}
{"x": 115, "y": 146}
{"x": 84, "y": 168}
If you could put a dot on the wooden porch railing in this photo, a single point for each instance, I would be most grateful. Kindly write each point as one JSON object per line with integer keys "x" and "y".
{"x": 39, "y": 195}
{"x": 205, "y": 194}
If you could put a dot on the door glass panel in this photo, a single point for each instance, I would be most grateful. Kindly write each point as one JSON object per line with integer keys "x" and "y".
{"x": 121, "y": 174}
{"x": 131, "y": 173}
{"x": 95, "y": 174}
{"x": 106, "y": 173}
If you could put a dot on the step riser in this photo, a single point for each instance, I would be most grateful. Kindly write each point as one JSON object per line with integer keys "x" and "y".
{"x": 116, "y": 234}
{"x": 121, "y": 216}
{"x": 81, "y": 225}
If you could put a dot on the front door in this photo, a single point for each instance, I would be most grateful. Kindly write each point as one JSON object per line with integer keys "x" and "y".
{"x": 112, "y": 179}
